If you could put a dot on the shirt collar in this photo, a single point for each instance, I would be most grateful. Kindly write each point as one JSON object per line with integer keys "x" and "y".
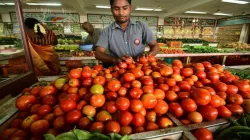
{"x": 115, "y": 25}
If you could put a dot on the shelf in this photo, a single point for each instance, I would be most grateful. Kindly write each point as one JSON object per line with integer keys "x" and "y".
{"x": 199, "y": 54}
{"x": 6, "y": 56}
{"x": 227, "y": 35}
{"x": 77, "y": 58}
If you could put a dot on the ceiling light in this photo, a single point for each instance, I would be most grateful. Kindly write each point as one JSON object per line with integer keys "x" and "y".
{"x": 243, "y": 13}
{"x": 144, "y": 9}
{"x": 102, "y": 6}
{"x": 236, "y": 1}
{"x": 222, "y": 14}
{"x": 45, "y": 4}
{"x": 7, "y": 3}
{"x": 195, "y": 12}
{"x": 158, "y": 9}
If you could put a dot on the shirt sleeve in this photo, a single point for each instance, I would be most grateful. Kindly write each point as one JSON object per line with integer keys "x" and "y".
{"x": 103, "y": 39}
{"x": 148, "y": 35}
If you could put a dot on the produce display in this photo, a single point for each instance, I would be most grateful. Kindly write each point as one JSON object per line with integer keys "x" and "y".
{"x": 243, "y": 74}
{"x": 84, "y": 53}
{"x": 130, "y": 97}
{"x": 68, "y": 39}
{"x": 171, "y": 51}
{"x": 184, "y": 40}
{"x": 7, "y": 40}
{"x": 66, "y": 47}
{"x": 236, "y": 45}
{"x": 201, "y": 49}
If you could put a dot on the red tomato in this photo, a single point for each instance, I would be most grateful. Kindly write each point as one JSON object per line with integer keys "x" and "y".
{"x": 114, "y": 85}
{"x": 201, "y": 96}
{"x": 183, "y": 95}
{"x": 6, "y": 134}
{"x": 73, "y": 116}
{"x": 198, "y": 84}
{"x": 170, "y": 82}
{"x": 149, "y": 101}
{"x": 148, "y": 89}
{"x": 176, "y": 109}
{"x": 216, "y": 101}
{"x": 164, "y": 122}
{"x": 111, "y": 96}
{"x": 112, "y": 127}
{"x": 136, "y": 105}
{"x": 175, "y": 88}
{"x": 128, "y": 77}
{"x": 224, "y": 112}
{"x": 39, "y": 127}
{"x": 147, "y": 82}
{"x": 232, "y": 89}
{"x": 59, "y": 123}
{"x": 159, "y": 94}
{"x": 125, "y": 118}
{"x": 171, "y": 96}
{"x": 122, "y": 91}
{"x": 176, "y": 70}
{"x": 135, "y": 93}
{"x": 48, "y": 90}
{"x": 166, "y": 71}
{"x": 58, "y": 111}
{"x": 138, "y": 73}
{"x": 122, "y": 103}
{"x": 199, "y": 67}
{"x": 67, "y": 105}
{"x": 125, "y": 130}
{"x": 35, "y": 90}
{"x": 235, "y": 99}
{"x": 184, "y": 86}
{"x": 163, "y": 87}
{"x": 49, "y": 100}
{"x": 84, "y": 123}
{"x": 97, "y": 126}
{"x": 190, "y": 81}
{"x": 49, "y": 117}
{"x": 74, "y": 82}
{"x": 205, "y": 81}
{"x": 235, "y": 109}
{"x": 220, "y": 87}
{"x": 110, "y": 106}
{"x": 75, "y": 73}
{"x": 72, "y": 90}
{"x": 35, "y": 108}
{"x": 103, "y": 116}
{"x": 210, "y": 90}
{"x": 208, "y": 112}
{"x": 86, "y": 73}
{"x": 143, "y": 60}
{"x": 86, "y": 82}
{"x": 122, "y": 65}
{"x": 223, "y": 95}
{"x": 219, "y": 67}
{"x": 195, "y": 117}
{"x": 242, "y": 85}
{"x": 89, "y": 110}
{"x": 212, "y": 69}
{"x": 24, "y": 102}
{"x": 99, "y": 80}
{"x": 213, "y": 76}
{"x": 201, "y": 74}
{"x": 151, "y": 58}
{"x": 138, "y": 120}
{"x": 177, "y": 63}
{"x": 188, "y": 104}
{"x": 44, "y": 110}
{"x": 138, "y": 129}
{"x": 151, "y": 126}
{"x": 150, "y": 116}
{"x": 97, "y": 100}
{"x": 136, "y": 84}
{"x": 16, "y": 123}
{"x": 187, "y": 72}
{"x": 81, "y": 104}
{"x": 19, "y": 135}
{"x": 161, "y": 107}
{"x": 203, "y": 134}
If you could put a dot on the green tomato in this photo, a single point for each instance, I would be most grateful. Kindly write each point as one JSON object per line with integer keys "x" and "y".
{"x": 97, "y": 89}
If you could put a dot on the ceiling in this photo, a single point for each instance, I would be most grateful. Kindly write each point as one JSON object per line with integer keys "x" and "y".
{"x": 170, "y": 7}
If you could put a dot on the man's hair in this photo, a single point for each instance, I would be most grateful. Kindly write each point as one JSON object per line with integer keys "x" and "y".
{"x": 112, "y": 2}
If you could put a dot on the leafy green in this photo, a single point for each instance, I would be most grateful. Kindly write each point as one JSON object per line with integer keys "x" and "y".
{"x": 82, "y": 135}
{"x": 66, "y": 136}
{"x": 49, "y": 137}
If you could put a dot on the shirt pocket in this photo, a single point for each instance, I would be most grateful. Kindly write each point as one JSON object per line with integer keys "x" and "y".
{"x": 136, "y": 42}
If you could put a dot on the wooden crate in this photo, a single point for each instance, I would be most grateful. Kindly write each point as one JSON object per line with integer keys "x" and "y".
{"x": 15, "y": 69}
{"x": 174, "y": 44}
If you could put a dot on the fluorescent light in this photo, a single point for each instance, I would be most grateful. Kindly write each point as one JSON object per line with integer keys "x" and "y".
{"x": 195, "y": 12}
{"x": 144, "y": 9}
{"x": 222, "y": 14}
{"x": 1, "y": 3}
{"x": 102, "y": 6}
{"x": 7, "y": 3}
{"x": 158, "y": 9}
{"x": 236, "y": 1}
{"x": 45, "y": 4}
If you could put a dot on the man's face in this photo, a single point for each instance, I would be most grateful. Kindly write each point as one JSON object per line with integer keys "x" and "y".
{"x": 121, "y": 10}
{"x": 88, "y": 28}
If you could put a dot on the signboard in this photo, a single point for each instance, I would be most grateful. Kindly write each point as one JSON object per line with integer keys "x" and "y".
{"x": 244, "y": 19}
{"x": 108, "y": 19}
{"x": 170, "y": 21}
{"x": 1, "y": 28}
{"x": 50, "y": 17}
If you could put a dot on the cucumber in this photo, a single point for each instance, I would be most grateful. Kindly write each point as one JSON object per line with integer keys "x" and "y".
{"x": 233, "y": 130}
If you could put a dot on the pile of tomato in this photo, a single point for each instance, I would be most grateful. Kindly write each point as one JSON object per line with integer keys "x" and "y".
{"x": 128, "y": 98}
{"x": 171, "y": 51}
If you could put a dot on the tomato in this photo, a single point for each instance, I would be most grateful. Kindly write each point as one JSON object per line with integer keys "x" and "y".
{"x": 44, "y": 110}
{"x": 151, "y": 58}
{"x": 136, "y": 105}
{"x": 58, "y": 111}
{"x": 198, "y": 84}
{"x": 148, "y": 72}
{"x": 97, "y": 126}
{"x": 232, "y": 89}
{"x": 16, "y": 123}
{"x": 111, "y": 96}
{"x": 176, "y": 109}
{"x": 138, "y": 120}
{"x": 35, "y": 90}
{"x": 138, "y": 73}
{"x": 73, "y": 90}
{"x": 74, "y": 82}
{"x": 190, "y": 81}
{"x": 186, "y": 72}
{"x": 110, "y": 106}
{"x": 147, "y": 82}
{"x": 143, "y": 60}
{"x": 170, "y": 82}
{"x": 128, "y": 77}
{"x": 65, "y": 87}
{"x": 103, "y": 116}
{"x": 220, "y": 87}
{"x": 151, "y": 126}
{"x": 148, "y": 89}
{"x": 223, "y": 95}
{"x": 235, "y": 109}
{"x": 98, "y": 67}
{"x": 163, "y": 87}
{"x": 86, "y": 73}
{"x": 125, "y": 118}
{"x": 149, "y": 101}
{"x": 49, "y": 117}
{"x": 164, "y": 122}
{"x": 208, "y": 112}
{"x": 219, "y": 67}
{"x": 39, "y": 127}
{"x": 156, "y": 75}
{"x": 114, "y": 85}
{"x": 166, "y": 71}
{"x": 135, "y": 93}
{"x": 138, "y": 129}
{"x": 175, "y": 88}
{"x": 97, "y": 100}
{"x": 34, "y": 108}
{"x": 201, "y": 74}
{"x": 203, "y": 134}
{"x": 89, "y": 110}
{"x": 53, "y": 132}
{"x": 84, "y": 123}
{"x": 212, "y": 69}
{"x": 49, "y": 100}
{"x": 243, "y": 86}
{"x": 67, "y": 105}
{"x": 224, "y": 112}
{"x": 136, "y": 84}
{"x": 161, "y": 107}
{"x": 6, "y": 134}
{"x": 176, "y": 70}
{"x": 188, "y": 104}
{"x": 86, "y": 82}
{"x": 112, "y": 127}
{"x": 177, "y": 63}
{"x": 183, "y": 95}
{"x": 194, "y": 78}
{"x": 159, "y": 94}
{"x": 199, "y": 67}
{"x": 216, "y": 101}
{"x": 22, "y": 134}
{"x": 201, "y": 96}
{"x": 184, "y": 86}
{"x": 125, "y": 130}
{"x": 235, "y": 99}
{"x": 195, "y": 117}
{"x": 185, "y": 122}
{"x": 213, "y": 76}
{"x": 59, "y": 123}
{"x": 122, "y": 65}
{"x": 245, "y": 95}
{"x": 24, "y": 102}
{"x": 150, "y": 116}
{"x": 99, "y": 80}
{"x": 73, "y": 116}
{"x": 210, "y": 90}
{"x": 122, "y": 103}
{"x": 48, "y": 90}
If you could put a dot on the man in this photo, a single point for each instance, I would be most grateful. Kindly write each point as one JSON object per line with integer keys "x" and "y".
{"x": 124, "y": 37}
{"x": 94, "y": 34}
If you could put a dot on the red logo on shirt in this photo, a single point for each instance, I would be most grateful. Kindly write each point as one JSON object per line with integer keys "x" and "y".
{"x": 137, "y": 42}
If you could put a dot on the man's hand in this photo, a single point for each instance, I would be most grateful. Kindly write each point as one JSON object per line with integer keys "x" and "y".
{"x": 126, "y": 57}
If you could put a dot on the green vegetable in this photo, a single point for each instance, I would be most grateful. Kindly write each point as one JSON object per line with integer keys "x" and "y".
{"x": 67, "y": 136}
{"x": 232, "y": 131}
{"x": 82, "y": 135}
{"x": 49, "y": 137}
{"x": 234, "y": 122}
